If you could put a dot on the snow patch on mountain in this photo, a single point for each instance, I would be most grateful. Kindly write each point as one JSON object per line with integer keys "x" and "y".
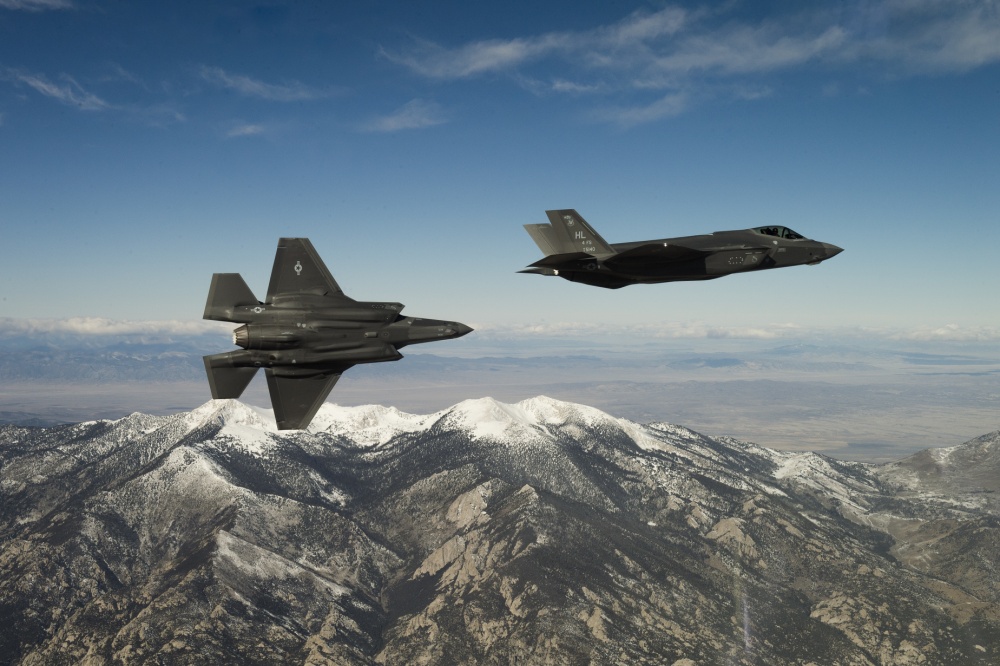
{"x": 371, "y": 425}
{"x": 528, "y": 420}
{"x": 551, "y": 412}
{"x": 486, "y": 418}
{"x": 232, "y": 413}
{"x": 266, "y": 565}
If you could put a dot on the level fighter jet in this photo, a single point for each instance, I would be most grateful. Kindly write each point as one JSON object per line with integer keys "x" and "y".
{"x": 305, "y": 333}
{"x": 575, "y": 252}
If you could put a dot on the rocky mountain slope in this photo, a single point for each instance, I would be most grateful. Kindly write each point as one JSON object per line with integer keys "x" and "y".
{"x": 542, "y": 532}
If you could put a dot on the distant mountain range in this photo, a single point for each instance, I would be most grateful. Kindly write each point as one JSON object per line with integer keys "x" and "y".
{"x": 541, "y": 532}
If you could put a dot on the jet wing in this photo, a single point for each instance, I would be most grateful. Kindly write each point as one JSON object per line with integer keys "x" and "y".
{"x": 298, "y": 270}
{"x": 295, "y": 398}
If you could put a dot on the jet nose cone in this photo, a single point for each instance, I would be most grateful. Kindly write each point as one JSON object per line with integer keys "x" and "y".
{"x": 832, "y": 250}
{"x": 460, "y": 329}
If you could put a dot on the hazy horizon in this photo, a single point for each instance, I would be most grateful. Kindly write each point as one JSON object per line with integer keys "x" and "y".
{"x": 867, "y": 398}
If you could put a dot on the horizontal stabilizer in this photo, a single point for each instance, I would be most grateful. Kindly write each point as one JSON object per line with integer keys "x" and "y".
{"x": 227, "y": 382}
{"x": 557, "y": 260}
{"x": 540, "y": 271}
{"x": 228, "y": 291}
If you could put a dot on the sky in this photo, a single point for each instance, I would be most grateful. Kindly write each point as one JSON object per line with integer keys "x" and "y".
{"x": 145, "y": 146}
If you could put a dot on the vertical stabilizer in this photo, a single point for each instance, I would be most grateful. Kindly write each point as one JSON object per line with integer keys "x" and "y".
{"x": 228, "y": 291}
{"x": 571, "y": 233}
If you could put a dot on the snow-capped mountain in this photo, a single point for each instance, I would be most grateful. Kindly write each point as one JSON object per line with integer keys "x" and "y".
{"x": 530, "y": 533}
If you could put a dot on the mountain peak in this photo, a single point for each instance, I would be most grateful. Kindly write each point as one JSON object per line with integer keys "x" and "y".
{"x": 566, "y": 533}
{"x": 233, "y": 413}
{"x": 369, "y": 425}
{"x": 972, "y": 466}
{"x": 491, "y": 419}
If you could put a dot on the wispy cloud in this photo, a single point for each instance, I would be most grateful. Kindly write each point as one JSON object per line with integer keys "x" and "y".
{"x": 475, "y": 58}
{"x": 35, "y": 5}
{"x": 245, "y": 130}
{"x": 67, "y": 91}
{"x": 688, "y": 55}
{"x": 668, "y": 106}
{"x": 293, "y": 91}
{"x": 415, "y": 114}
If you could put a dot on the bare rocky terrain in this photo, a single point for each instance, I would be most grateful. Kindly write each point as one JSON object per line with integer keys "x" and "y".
{"x": 541, "y": 532}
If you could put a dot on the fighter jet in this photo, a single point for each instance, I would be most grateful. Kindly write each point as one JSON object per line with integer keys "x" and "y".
{"x": 575, "y": 252}
{"x": 305, "y": 334}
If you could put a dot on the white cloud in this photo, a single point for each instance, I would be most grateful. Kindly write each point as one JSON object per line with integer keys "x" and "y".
{"x": 245, "y": 85}
{"x": 641, "y": 27}
{"x": 949, "y": 333}
{"x": 634, "y": 332}
{"x": 68, "y": 92}
{"x": 668, "y": 106}
{"x": 415, "y": 114}
{"x": 245, "y": 130}
{"x": 585, "y": 332}
{"x": 561, "y": 85}
{"x": 431, "y": 60}
{"x": 100, "y": 326}
{"x": 71, "y": 93}
{"x": 932, "y": 36}
{"x": 747, "y": 49}
{"x": 35, "y": 5}
{"x": 709, "y": 53}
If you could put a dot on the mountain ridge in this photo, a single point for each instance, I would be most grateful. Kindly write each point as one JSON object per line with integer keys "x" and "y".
{"x": 534, "y": 532}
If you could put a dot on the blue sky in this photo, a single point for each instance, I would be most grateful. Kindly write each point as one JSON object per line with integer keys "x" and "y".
{"x": 144, "y": 146}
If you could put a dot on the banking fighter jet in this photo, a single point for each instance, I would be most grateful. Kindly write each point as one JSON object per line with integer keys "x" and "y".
{"x": 575, "y": 252}
{"x": 305, "y": 334}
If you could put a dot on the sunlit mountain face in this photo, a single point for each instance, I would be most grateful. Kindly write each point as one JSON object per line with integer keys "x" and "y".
{"x": 530, "y": 533}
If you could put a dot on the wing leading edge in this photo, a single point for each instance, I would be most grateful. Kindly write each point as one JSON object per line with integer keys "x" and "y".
{"x": 295, "y": 398}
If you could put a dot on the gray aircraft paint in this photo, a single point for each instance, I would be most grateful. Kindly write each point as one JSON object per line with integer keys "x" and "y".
{"x": 575, "y": 252}
{"x": 305, "y": 334}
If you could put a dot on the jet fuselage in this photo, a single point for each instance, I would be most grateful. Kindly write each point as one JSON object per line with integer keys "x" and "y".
{"x": 575, "y": 252}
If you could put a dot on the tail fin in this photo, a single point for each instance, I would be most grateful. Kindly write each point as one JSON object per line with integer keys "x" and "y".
{"x": 227, "y": 292}
{"x": 225, "y": 380}
{"x": 568, "y": 233}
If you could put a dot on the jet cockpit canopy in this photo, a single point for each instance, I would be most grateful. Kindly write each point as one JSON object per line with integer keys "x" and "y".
{"x": 780, "y": 232}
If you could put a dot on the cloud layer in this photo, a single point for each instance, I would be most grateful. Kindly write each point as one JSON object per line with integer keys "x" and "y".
{"x": 100, "y": 326}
